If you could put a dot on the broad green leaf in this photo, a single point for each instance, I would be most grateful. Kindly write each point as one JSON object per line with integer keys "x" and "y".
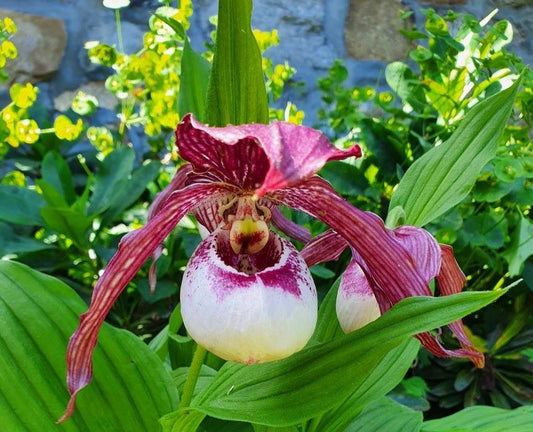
{"x": 52, "y": 196}
{"x": 385, "y": 415}
{"x": 488, "y": 228}
{"x": 402, "y": 80}
{"x": 522, "y": 246}
{"x": 56, "y": 172}
{"x": 260, "y": 428}
{"x": 165, "y": 288}
{"x": 194, "y": 78}
{"x": 20, "y": 205}
{"x": 68, "y": 222}
{"x": 13, "y": 243}
{"x": 327, "y": 326}
{"x": 483, "y": 419}
{"x": 443, "y": 176}
{"x": 111, "y": 178}
{"x": 236, "y": 92}
{"x": 131, "y": 389}
{"x": 130, "y": 192}
{"x": 345, "y": 178}
{"x": 182, "y": 421}
{"x": 386, "y": 375}
{"x": 318, "y": 378}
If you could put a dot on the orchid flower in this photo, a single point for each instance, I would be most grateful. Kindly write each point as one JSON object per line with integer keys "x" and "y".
{"x": 247, "y": 294}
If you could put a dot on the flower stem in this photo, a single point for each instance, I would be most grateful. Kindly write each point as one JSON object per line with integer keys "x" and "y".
{"x": 119, "y": 31}
{"x": 192, "y": 376}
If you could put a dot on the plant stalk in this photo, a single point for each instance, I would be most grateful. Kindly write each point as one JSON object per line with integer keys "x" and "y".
{"x": 192, "y": 377}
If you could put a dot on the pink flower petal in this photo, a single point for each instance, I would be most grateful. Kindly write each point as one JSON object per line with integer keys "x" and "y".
{"x": 390, "y": 264}
{"x": 423, "y": 248}
{"x": 325, "y": 247}
{"x": 293, "y": 230}
{"x": 133, "y": 251}
{"x": 451, "y": 281}
{"x": 178, "y": 182}
{"x": 397, "y": 264}
{"x": 257, "y": 157}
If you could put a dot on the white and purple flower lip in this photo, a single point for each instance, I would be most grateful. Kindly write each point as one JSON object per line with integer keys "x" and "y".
{"x": 259, "y": 310}
{"x": 246, "y": 294}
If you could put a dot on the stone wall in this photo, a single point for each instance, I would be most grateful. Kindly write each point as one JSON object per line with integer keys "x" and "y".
{"x": 312, "y": 32}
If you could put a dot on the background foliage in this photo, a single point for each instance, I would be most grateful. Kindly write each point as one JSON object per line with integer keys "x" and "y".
{"x": 75, "y": 187}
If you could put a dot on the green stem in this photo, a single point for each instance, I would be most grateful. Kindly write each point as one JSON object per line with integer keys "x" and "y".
{"x": 119, "y": 31}
{"x": 192, "y": 376}
{"x": 313, "y": 424}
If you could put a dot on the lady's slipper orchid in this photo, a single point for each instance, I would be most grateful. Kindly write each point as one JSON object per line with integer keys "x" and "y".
{"x": 247, "y": 294}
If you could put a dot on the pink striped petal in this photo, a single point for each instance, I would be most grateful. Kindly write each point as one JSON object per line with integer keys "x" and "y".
{"x": 178, "y": 182}
{"x": 293, "y": 230}
{"x": 395, "y": 263}
{"x": 434, "y": 346}
{"x": 390, "y": 264}
{"x": 451, "y": 281}
{"x": 325, "y": 247}
{"x": 133, "y": 251}
{"x": 257, "y": 157}
{"x": 423, "y": 248}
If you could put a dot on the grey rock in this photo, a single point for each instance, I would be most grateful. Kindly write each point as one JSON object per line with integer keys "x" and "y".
{"x": 40, "y": 42}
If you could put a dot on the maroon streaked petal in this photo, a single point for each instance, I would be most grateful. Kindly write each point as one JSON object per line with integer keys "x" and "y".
{"x": 207, "y": 214}
{"x": 388, "y": 259}
{"x": 235, "y": 155}
{"x": 423, "y": 248}
{"x": 325, "y": 247}
{"x": 293, "y": 230}
{"x": 391, "y": 265}
{"x": 433, "y": 346}
{"x": 257, "y": 157}
{"x": 451, "y": 281}
{"x": 178, "y": 182}
{"x": 133, "y": 251}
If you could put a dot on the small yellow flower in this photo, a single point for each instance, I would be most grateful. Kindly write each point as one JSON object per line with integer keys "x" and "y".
{"x": 27, "y": 131}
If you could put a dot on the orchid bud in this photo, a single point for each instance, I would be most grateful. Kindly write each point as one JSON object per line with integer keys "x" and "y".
{"x": 248, "y": 308}
{"x": 356, "y": 304}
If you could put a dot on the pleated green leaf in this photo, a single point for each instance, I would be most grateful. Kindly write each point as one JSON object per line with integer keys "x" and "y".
{"x": 182, "y": 421}
{"x": 386, "y": 375}
{"x": 193, "y": 83}
{"x": 56, "y": 172}
{"x": 385, "y": 415}
{"x": 20, "y": 205}
{"x": 322, "y": 376}
{"x": 484, "y": 419}
{"x": 131, "y": 389}
{"x": 443, "y": 176}
{"x": 236, "y": 92}
{"x": 112, "y": 177}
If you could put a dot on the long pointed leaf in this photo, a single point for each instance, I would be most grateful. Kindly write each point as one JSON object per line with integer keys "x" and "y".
{"x": 237, "y": 92}
{"x": 484, "y": 419}
{"x": 38, "y": 313}
{"x": 308, "y": 383}
{"x": 193, "y": 83}
{"x": 443, "y": 176}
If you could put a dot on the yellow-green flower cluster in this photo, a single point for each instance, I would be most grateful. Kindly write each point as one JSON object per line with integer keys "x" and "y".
{"x": 8, "y": 50}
